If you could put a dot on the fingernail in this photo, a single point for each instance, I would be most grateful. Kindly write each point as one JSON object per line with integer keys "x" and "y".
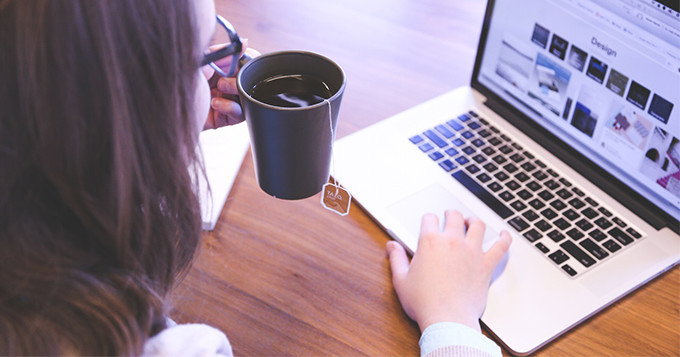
{"x": 215, "y": 103}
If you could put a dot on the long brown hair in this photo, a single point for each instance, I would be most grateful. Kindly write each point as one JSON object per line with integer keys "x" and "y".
{"x": 97, "y": 213}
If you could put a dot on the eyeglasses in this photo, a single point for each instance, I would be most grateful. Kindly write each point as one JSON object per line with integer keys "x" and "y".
{"x": 233, "y": 49}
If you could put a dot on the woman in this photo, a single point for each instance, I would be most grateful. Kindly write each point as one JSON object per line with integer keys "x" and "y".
{"x": 102, "y": 103}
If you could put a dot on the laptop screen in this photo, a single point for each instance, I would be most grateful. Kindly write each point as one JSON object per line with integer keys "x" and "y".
{"x": 601, "y": 75}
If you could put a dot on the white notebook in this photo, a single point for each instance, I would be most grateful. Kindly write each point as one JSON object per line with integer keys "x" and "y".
{"x": 223, "y": 153}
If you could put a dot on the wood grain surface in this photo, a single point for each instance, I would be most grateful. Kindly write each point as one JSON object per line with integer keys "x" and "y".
{"x": 290, "y": 278}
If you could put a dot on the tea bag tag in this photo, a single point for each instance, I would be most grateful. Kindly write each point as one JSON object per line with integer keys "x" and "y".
{"x": 336, "y": 199}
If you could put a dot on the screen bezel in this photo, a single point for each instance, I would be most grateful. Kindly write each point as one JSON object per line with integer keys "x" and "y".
{"x": 618, "y": 190}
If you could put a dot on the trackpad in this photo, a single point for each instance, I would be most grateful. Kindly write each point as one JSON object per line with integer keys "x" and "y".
{"x": 433, "y": 199}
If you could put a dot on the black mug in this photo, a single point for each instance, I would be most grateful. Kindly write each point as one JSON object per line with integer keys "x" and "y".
{"x": 291, "y": 146}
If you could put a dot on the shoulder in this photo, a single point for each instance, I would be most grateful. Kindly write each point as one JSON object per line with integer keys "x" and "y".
{"x": 188, "y": 340}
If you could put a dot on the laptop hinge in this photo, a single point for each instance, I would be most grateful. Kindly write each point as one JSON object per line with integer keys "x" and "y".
{"x": 654, "y": 216}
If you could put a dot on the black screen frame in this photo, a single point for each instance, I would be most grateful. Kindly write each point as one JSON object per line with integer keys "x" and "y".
{"x": 647, "y": 210}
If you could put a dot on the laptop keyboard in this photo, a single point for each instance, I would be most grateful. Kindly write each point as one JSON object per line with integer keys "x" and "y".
{"x": 569, "y": 227}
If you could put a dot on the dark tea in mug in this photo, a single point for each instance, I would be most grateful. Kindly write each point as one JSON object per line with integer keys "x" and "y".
{"x": 291, "y": 91}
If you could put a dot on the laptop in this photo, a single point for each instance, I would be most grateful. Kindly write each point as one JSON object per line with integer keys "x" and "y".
{"x": 568, "y": 137}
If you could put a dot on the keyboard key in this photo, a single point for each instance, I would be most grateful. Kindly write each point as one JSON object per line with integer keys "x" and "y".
{"x": 451, "y": 152}
{"x": 543, "y": 225}
{"x": 499, "y": 159}
{"x": 540, "y": 164}
{"x": 505, "y": 137}
{"x": 501, "y": 176}
{"x": 534, "y": 186}
{"x": 565, "y": 182}
{"x": 552, "y": 172}
{"x": 471, "y": 112}
{"x": 542, "y": 247}
{"x": 495, "y": 186}
{"x": 591, "y": 201}
{"x": 469, "y": 150}
{"x": 532, "y": 235}
{"x": 576, "y": 203}
{"x": 603, "y": 223}
{"x": 575, "y": 234}
{"x": 562, "y": 224}
{"x": 490, "y": 167}
{"x": 564, "y": 194}
{"x": 483, "y": 121}
{"x": 426, "y": 147}
{"x": 634, "y": 233}
{"x": 556, "y": 236}
{"x": 536, "y": 203}
{"x": 484, "y": 133}
{"x": 517, "y": 146}
{"x": 494, "y": 129}
{"x": 569, "y": 270}
{"x": 546, "y": 195}
{"x": 505, "y": 149}
{"x": 478, "y": 143}
{"x": 590, "y": 213}
{"x": 578, "y": 192}
{"x": 474, "y": 125}
{"x": 524, "y": 194}
{"x": 530, "y": 215}
{"x": 620, "y": 236}
{"x": 513, "y": 185}
{"x": 518, "y": 206}
{"x": 464, "y": 117}
{"x": 539, "y": 175}
{"x": 467, "y": 134}
{"x": 522, "y": 177}
{"x": 551, "y": 184}
{"x": 518, "y": 223}
{"x": 436, "y": 155}
{"x": 605, "y": 212}
{"x": 584, "y": 224}
{"x": 462, "y": 160}
{"x": 571, "y": 214}
{"x": 488, "y": 151}
{"x": 558, "y": 257}
{"x": 447, "y": 165}
{"x": 479, "y": 158}
{"x": 481, "y": 193}
{"x": 619, "y": 222}
{"x": 597, "y": 234}
{"x": 435, "y": 138}
{"x": 473, "y": 169}
{"x": 594, "y": 249}
{"x": 517, "y": 157}
{"x": 528, "y": 166}
{"x": 444, "y": 131}
{"x": 483, "y": 178}
{"x": 510, "y": 168}
{"x": 506, "y": 196}
{"x": 455, "y": 125}
{"x": 416, "y": 139}
{"x": 529, "y": 155}
{"x": 495, "y": 141}
{"x": 458, "y": 142}
{"x": 611, "y": 245}
{"x": 558, "y": 205}
{"x": 576, "y": 252}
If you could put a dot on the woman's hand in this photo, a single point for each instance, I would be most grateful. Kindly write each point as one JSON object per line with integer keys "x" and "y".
{"x": 449, "y": 276}
{"x": 225, "y": 108}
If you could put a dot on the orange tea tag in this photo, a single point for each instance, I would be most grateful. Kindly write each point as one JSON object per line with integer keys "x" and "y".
{"x": 336, "y": 199}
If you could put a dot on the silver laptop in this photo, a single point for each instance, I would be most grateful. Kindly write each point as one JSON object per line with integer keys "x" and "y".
{"x": 569, "y": 137}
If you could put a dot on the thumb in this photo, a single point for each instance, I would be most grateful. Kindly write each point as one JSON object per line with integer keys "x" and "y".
{"x": 495, "y": 254}
{"x": 399, "y": 262}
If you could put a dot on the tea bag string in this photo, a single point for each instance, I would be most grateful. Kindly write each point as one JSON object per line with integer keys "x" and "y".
{"x": 330, "y": 123}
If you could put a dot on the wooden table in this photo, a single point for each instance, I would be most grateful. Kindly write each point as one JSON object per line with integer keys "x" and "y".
{"x": 290, "y": 278}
